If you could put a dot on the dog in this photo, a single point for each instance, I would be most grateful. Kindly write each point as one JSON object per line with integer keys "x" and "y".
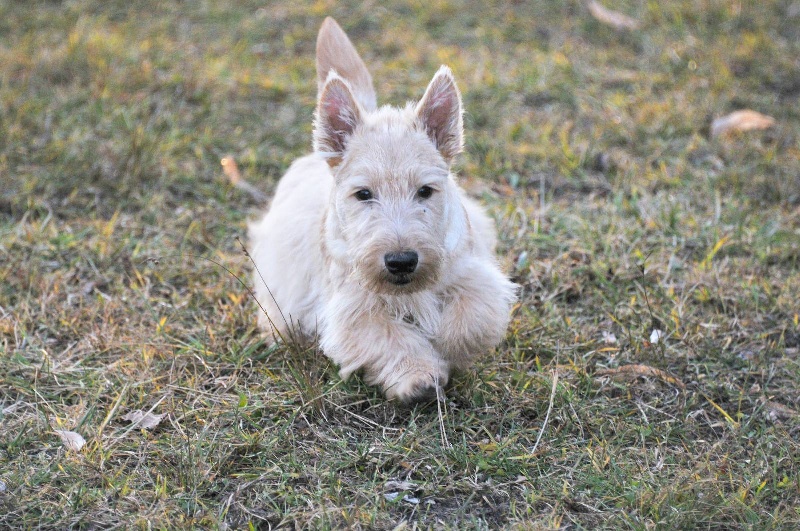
{"x": 371, "y": 246}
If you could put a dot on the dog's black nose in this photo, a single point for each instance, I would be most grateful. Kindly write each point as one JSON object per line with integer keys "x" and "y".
{"x": 401, "y": 263}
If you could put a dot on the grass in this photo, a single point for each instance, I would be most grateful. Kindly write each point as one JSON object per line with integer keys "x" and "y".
{"x": 617, "y": 214}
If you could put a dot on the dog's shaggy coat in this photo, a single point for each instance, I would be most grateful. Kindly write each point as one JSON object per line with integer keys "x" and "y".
{"x": 369, "y": 241}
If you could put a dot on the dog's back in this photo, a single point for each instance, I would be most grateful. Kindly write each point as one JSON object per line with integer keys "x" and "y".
{"x": 286, "y": 250}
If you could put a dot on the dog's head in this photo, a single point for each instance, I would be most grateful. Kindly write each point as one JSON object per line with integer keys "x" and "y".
{"x": 396, "y": 215}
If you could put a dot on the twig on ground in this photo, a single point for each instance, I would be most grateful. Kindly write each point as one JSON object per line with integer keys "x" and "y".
{"x": 231, "y": 171}
{"x": 636, "y": 369}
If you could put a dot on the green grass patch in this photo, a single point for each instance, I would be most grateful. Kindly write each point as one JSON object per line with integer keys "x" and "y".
{"x": 618, "y": 215}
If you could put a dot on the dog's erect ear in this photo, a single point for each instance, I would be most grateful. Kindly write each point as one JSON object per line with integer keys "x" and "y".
{"x": 336, "y": 52}
{"x": 338, "y": 114}
{"x": 439, "y": 112}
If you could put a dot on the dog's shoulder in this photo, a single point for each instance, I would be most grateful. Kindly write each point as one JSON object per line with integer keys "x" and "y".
{"x": 310, "y": 170}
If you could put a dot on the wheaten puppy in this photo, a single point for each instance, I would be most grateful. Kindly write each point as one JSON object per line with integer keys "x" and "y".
{"x": 369, "y": 242}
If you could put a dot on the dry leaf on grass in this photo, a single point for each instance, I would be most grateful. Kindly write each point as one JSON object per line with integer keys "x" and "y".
{"x": 400, "y": 485}
{"x": 397, "y": 487}
{"x": 391, "y": 496}
{"x": 231, "y": 171}
{"x": 145, "y": 421}
{"x": 72, "y": 441}
{"x": 612, "y": 18}
{"x": 635, "y": 370}
{"x": 745, "y": 120}
{"x": 777, "y": 411}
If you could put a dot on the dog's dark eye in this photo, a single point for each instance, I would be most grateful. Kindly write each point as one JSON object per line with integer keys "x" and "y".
{"x": 425, "y": 192}
{"x": 363, "y": 195}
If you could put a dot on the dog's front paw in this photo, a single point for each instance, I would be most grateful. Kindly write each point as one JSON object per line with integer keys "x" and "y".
{"x": 418, "y": 392}
{"x": 415, "y": 382}
{"x": 476, "y": 315}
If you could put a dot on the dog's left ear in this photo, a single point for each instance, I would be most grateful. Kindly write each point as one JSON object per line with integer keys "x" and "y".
{"x": 439, "y": 112}
{"x": 338, "y": 114}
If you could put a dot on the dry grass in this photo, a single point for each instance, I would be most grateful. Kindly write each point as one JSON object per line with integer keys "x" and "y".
{"x": 618, "y": 214}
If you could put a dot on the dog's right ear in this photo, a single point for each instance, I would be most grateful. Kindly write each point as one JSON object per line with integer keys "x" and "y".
{"x": 336, "y": 52}
{"x": 338, "y": 113}
{"x": 440, "y": 112}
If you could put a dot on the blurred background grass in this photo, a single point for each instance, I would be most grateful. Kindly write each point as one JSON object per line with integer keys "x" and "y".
{"x": 618, "y": 215}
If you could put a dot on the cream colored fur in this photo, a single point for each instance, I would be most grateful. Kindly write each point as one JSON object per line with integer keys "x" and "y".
{"x": 321, "y": 249}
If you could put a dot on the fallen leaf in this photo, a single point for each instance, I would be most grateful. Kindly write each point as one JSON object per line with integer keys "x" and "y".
{"x": 635, "y": 370}
{"x": 612, "y": 18}
{"x": 777, "y": 411}
{"x": 744, "y": 120}
{"x": 72, "y": 441}
{"x": 391, "y": 496}
{"x": 231, "y": 170}
{"x": 142, "y": 420}
{"x": 400, "y": 485}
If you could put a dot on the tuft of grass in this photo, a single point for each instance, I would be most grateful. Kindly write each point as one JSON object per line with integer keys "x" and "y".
{"x": 617, "y": 214}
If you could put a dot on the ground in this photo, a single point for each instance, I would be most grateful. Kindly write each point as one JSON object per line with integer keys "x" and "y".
{"x": 651, "y": 374}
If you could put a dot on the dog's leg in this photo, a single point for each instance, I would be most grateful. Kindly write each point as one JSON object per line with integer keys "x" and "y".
{"x": 475, "y": 313}
{"x": 393, "y": 353}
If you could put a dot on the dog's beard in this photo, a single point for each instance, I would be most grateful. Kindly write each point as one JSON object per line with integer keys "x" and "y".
{"x": 369, "y": 269}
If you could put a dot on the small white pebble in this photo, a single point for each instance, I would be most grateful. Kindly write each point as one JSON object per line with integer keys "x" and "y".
{"x": 656, "y": 336}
